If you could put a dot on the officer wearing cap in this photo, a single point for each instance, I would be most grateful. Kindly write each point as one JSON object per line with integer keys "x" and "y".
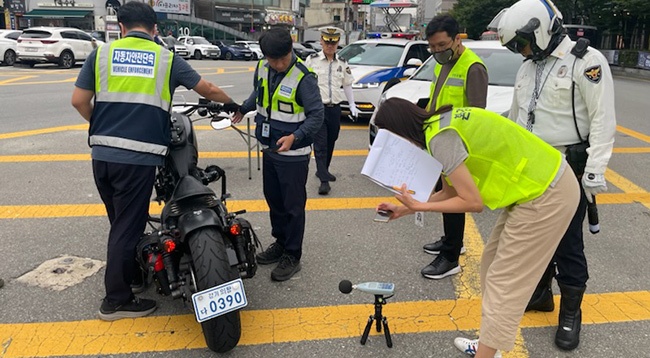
{"x": 333, "y": 73}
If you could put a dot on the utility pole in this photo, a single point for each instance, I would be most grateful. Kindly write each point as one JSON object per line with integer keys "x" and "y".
{"x": 347, "y": 22}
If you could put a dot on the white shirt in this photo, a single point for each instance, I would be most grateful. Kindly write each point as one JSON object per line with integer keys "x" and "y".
{"x": 332, "y": 75}
{"x": 594, "y": 102}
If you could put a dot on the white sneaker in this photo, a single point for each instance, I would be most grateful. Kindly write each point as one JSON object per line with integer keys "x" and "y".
{"x": 469, "y": 346}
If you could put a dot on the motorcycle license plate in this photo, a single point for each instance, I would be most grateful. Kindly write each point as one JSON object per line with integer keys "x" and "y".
{"x": 219, "y": 300}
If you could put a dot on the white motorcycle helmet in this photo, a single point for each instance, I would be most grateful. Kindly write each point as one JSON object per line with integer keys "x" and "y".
{"x": 534, "y": 22}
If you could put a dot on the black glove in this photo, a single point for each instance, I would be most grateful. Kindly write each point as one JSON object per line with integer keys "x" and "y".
{"x": 231, "y": 107}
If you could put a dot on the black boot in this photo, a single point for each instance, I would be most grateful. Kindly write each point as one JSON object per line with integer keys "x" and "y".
{"x": 567, "y": 336}
{"x": 542, "y": 299}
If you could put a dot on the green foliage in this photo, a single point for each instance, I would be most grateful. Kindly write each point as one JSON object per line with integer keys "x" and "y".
{"x": 609, "y": 16}
{"x": 628, "y": 58}
{"x": 475, "y": 15}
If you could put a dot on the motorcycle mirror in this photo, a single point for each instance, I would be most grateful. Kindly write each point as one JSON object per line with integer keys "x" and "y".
{"x": 220, "y": 123}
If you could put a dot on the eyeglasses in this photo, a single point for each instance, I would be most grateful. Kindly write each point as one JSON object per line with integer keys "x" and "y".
{"x": 517, "y": 44}
{"x": 331, "y": 43}
{"x": 438, "y": 48}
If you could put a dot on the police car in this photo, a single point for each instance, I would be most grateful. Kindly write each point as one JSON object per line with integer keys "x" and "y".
{"x": 374, "y": 62}
{"x": 502, "y": 66}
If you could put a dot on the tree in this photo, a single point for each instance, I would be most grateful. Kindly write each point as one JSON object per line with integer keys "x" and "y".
{"x": 629, "y": 19}
{"x": 475, "y": 15}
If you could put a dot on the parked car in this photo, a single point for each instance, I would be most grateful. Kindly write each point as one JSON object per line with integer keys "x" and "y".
{"x": 234, "y": 51}
{"x": 502, "y": 66}
{"x": 313, "y": 45}
{"x": 199, "y": 47}
{"x": 10, "y": 34}
{"x": 8, "y": 46}
{"x": 97, "y": 35}
{"x": 7, "y": 52}
{"x": 374, "y": 63}
{"x": 255, "y": 48}
{"x": 61, "y": 45}
{"x": 301, "y": 51}
{"x": 173, "y": 45}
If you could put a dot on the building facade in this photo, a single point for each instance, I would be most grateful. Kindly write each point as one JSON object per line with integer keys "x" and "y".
{"x": 213, "y": 19}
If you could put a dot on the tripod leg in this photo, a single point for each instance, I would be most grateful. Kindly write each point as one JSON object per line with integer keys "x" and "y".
{"x": 366, "y": 331}
{"x": 389, "y": 341}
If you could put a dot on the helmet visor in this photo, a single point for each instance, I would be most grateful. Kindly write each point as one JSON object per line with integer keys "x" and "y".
{"x": 517, "y": 44}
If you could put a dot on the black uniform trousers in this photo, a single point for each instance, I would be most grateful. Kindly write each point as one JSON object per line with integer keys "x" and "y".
{"x": 126, "y": 191}
{"x": 324, "y": 140}
{"x": 284, "y": 184}
{"x": 454, "y": 229}
{"x": 569, "y": 256}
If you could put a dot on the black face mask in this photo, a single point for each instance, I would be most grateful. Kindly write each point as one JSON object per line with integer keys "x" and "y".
{"x": 444, "y": 56}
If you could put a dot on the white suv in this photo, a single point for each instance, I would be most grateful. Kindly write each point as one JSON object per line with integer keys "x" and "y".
{"x": 199, "y": 47}
{"x": 62, "y": 45}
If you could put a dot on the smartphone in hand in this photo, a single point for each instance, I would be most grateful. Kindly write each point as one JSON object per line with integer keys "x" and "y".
{"x": 382, "y": 216}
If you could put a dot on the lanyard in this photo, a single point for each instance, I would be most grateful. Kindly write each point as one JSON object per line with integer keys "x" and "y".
{"x": 537, "y": 91}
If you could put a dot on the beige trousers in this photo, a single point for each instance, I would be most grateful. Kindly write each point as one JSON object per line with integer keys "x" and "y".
{"x": 518, "y": 251}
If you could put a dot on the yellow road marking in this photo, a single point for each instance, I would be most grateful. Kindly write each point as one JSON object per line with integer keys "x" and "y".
{"x": 43, "y": 131}
{"x": 633, "y": 133}
{"x": 632, "y": 150}
{"x": 11, "y": 80}
{"x": 84, "y": 127}
{"x": 167, "y": 333}
{"x": 202, "y": 155}
{"x": 86, "y": 210}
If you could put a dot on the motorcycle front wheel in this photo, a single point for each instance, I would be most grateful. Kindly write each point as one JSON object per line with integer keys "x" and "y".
{"x": 212, "y": 268}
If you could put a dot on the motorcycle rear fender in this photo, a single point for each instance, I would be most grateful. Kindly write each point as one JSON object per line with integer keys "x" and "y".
{"x": 193, "y": 220}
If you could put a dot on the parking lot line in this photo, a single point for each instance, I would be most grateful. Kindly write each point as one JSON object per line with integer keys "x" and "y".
{"x": 152, "y": 334}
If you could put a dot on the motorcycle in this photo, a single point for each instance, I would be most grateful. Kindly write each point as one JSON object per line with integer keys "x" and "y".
{"x": 197, "y": 251}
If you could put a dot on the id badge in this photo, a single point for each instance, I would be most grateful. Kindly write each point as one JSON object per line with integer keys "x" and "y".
{"x": 266, "y": 129}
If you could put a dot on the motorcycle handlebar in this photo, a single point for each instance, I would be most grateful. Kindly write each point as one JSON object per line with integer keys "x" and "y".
{"x": 210, "y": 106}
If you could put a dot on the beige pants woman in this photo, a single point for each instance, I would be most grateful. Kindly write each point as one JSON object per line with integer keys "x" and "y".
{"x": 518, "y": 251}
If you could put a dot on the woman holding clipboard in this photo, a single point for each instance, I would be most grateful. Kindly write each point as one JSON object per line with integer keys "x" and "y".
{"x": 488, "y": 160}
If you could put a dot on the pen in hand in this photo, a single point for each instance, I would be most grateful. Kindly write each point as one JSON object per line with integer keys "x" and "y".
{"x": 400, "y": 189}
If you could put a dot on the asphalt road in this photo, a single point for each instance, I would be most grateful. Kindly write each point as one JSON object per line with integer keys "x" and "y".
{"x": 49, "y": 208}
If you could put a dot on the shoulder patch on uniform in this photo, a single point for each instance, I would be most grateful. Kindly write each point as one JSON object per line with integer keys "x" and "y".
{"x": 594, "y": 73}
{"x": 348, "y": 71}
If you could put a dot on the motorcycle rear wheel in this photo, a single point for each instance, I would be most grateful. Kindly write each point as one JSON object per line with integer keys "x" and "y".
{"x": 212, "y": 268}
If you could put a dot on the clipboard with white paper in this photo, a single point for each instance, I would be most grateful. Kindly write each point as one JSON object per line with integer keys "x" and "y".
{"x": 393, "y": 161}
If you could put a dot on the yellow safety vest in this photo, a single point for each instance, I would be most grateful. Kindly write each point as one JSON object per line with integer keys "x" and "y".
{"x": 132, "y": 96}
{"x": 508, "y": 164}
{"x": 280, "y": 109}
{"x": 454, "y": 90}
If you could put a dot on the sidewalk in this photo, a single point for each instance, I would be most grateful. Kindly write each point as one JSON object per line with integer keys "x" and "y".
{"x": 630, "y": 72}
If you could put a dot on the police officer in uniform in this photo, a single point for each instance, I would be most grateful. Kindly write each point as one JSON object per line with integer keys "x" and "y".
{"x": 564, "y": 93}
{"x": 289, "y": 113}
{"x": 333, "y": 73}
{"x": 124, "y": 90}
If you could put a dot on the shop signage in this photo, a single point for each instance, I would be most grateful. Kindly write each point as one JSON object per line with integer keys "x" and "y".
{"x": 279, "y": 17}
{"x": 15, "y": 6}
{"x": 225, "y": 16}
{"x": 172, "y": 6}
{"x": 65, "y": 3}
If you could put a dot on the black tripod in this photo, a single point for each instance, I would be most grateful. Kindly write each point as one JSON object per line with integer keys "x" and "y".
{"x": 381, "y": 320}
